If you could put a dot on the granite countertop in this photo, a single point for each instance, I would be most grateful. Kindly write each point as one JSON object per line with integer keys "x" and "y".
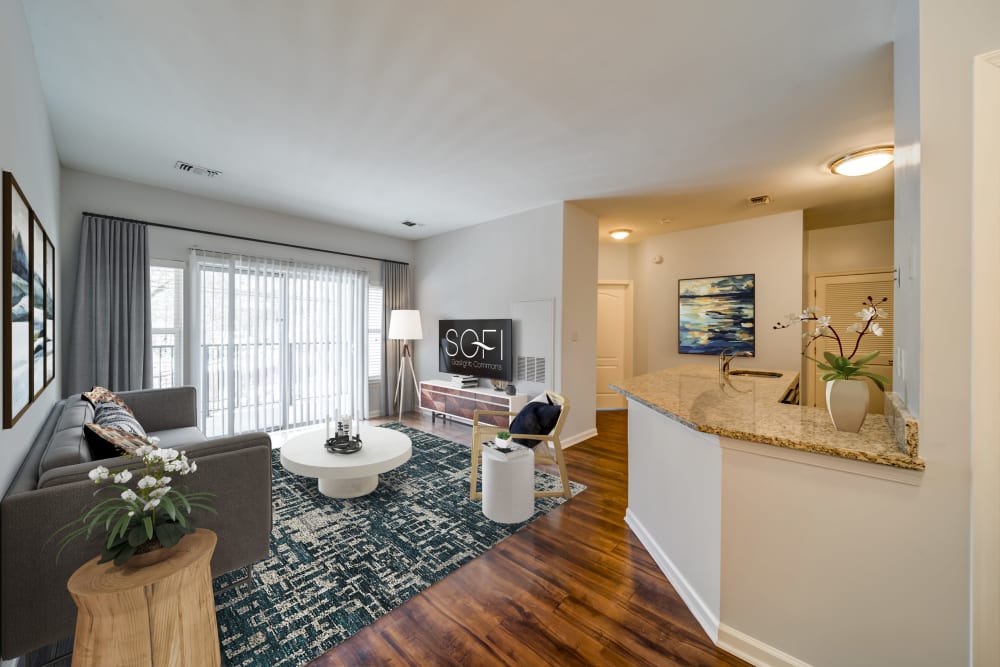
{"x": 749, "y": 408}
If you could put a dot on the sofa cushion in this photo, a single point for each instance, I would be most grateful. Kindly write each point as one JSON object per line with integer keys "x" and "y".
{"x": 110, "y": 441}
{"x": 177, "y": 438}
{"x": 68, "y": 444}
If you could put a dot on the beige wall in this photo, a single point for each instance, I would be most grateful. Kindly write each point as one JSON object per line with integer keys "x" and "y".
{"x": 614, "y": 260}
{"x": 770, "y": 247}
{"x": 27, "y": 150}
{"x": 579, "y": 319}
{"x": 849, "y": 247}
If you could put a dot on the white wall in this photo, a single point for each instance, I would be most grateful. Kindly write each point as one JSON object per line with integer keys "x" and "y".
{"x": 479, "y": 271}
{"x": 949, "y": 40}
{"x": 849, "y": 247}
{"x": 27, "y": 150}
{"x": 883, "y": 566}
{"x": 579, "y": 320}
{"x": 770, "y": 247}
{"x": 907, "y": 212}
{"x": 985, "y": 390}
{"x": 82, "y": 191}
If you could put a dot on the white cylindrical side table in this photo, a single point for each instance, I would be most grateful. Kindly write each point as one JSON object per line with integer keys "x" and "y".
{"x": 508, "y": 485}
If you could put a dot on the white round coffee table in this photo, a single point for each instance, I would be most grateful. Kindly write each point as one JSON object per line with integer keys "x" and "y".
{"x": 346, "y": 475}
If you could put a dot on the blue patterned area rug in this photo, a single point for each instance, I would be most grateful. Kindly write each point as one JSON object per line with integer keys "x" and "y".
{"x": 338, "y": 565}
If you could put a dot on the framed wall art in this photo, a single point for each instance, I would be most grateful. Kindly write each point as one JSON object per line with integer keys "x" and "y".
{"x": 716, "y": 314}
{"x": 16, "y": 290}
{"x": 29, "y": 314}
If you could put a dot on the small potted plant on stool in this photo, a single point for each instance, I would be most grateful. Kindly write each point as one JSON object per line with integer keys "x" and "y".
{"x": 503, "y": 440}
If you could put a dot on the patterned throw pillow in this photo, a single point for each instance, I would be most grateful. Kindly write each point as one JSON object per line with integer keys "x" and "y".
{"x": 99, "y": 437}
{"x": 99, "y": 395}
{"x": 116, "y": 416}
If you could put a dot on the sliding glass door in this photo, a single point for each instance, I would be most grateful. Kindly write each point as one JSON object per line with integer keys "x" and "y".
{"x": 279, "y": 344}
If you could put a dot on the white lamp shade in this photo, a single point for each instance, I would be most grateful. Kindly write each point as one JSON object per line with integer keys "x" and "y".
{"x": 405, "y": 325}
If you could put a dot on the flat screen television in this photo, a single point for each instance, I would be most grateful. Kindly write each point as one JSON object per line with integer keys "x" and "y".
{"x": 476, "y": 347}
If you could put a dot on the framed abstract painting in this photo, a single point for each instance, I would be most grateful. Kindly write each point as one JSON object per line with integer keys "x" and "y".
{"x": 716, "y": 314}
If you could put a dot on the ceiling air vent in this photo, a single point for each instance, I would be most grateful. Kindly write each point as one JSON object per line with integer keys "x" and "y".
{"x": 409, "y": 223}
{"x": 759, "y": 200}
{"x": 196, "y": 170}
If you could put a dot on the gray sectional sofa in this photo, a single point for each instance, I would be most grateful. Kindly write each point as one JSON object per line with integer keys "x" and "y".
{"x": 52, "y": 486}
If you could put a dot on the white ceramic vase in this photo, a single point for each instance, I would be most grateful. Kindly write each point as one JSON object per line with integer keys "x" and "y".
{"x": 847, "y": 402}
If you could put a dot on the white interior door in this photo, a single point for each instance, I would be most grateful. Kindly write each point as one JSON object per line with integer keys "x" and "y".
{"x": 614, "y": 358}
{"x": 841, "y": 297}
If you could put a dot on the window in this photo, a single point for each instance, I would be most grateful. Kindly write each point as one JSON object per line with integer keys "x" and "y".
{"x": 276, "y": 344}
{"x": 166, "y": 287}
{"x": 375, "y": 347}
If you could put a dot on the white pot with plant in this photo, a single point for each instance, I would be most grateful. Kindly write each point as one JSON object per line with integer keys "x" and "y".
{"x": 845, "y": 374}
{"x": 502, "y": 440}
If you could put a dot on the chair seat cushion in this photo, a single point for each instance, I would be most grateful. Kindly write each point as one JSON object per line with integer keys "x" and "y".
{"x": 535, "y": 418}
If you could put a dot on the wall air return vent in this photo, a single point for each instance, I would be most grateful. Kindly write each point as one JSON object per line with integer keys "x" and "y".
{"x": 196, "y": 170}
{"x": 759, "y": 200}
{"x": 531, "y": 369}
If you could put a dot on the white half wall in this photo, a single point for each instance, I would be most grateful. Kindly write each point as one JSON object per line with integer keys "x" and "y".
{"x": 675, "y": 506}
{"x": 28, "y": 151}
{"x": 770, "y": 247}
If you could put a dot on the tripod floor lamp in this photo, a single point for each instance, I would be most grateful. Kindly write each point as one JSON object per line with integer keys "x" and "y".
{"x": 404, "y": 325}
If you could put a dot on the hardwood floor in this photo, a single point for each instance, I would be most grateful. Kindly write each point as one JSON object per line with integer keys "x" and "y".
{"x": 573, "y": 588}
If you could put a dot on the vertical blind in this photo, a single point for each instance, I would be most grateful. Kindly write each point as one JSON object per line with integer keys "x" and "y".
{"x": 278, "y": 344}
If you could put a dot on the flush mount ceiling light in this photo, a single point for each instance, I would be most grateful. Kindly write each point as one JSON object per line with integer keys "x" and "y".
{"x": 864, "y": 161}
{"x": 619, "y": 234}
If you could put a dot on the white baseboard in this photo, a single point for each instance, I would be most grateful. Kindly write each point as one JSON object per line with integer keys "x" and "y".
{"x": 578, "y": 438}
{"x": 754, "y": 651}
{"x": 704, "y": 615}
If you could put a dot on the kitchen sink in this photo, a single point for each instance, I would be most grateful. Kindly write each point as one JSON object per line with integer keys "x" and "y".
{"x": 756, "y": 374}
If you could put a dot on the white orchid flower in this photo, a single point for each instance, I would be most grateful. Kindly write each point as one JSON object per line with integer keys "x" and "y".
{"x": 823, "y": 321}
{"x": 166, "y": 454}
{"x": 876, "y": 329}
{"x": 143, "y": 450}
{"x": 122, "y": 477}
{"x": 98, "y": 474}
{"x": 128, "y": 495}
{"x": 163, "y": 481}
{"x": 151, "y": 504}
{"x": 192, "y": 468}
{"x": 159, "y": 492}
{"x": 131, "y": 513}
{"x": 857, "y": 327}
{"x": 147, "y": 482}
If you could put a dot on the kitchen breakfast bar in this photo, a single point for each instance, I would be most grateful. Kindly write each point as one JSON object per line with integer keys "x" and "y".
{"x": 757, "y": 510}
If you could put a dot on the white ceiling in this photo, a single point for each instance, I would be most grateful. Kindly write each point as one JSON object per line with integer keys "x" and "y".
{"x": 453, "y": 112}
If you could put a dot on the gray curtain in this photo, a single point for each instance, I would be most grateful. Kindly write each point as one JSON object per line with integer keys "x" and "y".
{"x": 395, "y": 296}
{"x": 111, "y": 342}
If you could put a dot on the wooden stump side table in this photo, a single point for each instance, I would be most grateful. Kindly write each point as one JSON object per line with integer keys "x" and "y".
{"x": 158, "y": 615}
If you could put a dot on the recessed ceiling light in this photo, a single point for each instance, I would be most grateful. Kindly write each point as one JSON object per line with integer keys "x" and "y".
{"x": 619, "y": 234}
{"x": 864, "y": 161}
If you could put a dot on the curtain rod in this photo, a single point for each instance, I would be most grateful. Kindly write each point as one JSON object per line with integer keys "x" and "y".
{"x": 242, "y": 238}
